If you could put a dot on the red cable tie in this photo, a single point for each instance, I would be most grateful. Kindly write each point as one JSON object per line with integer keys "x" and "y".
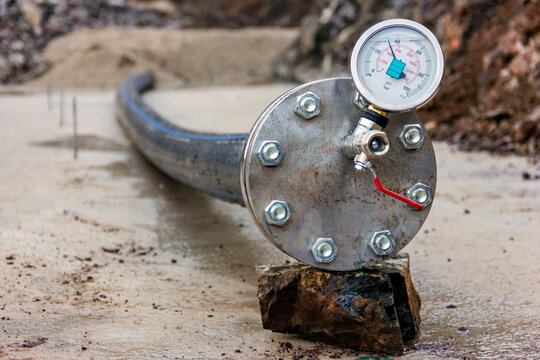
{"x": 397, "y": 196}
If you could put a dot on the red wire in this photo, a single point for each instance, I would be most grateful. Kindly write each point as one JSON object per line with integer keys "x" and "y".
{"x": 397, "y": 196}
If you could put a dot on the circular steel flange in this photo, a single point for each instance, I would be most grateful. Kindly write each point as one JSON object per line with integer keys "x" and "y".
{"x": 326, "y": 196}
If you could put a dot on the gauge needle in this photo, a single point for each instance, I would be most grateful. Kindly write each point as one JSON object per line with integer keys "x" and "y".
{"x": 392, "y": 50}
{"x": 396, "y": 67}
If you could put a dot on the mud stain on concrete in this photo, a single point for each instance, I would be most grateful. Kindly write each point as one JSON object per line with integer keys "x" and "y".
{"x": 119, "y": 169}
{"x": 33, "y": 343}
{"x": 211, "y": 231}
{"x": 85, "y": 142}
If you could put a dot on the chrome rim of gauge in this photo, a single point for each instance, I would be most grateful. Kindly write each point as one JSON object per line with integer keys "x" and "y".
{"x": 397, "y": 65}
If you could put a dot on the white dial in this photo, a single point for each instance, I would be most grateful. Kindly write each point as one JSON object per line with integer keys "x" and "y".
{"x": 397, "y": 65}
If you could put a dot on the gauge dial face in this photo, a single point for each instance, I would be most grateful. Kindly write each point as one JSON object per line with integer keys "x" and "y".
{"x": 397, "y": 65}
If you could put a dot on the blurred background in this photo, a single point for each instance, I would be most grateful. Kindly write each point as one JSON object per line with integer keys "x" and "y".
{"x": 489, "y": 100}
{"x": 101, "y": 256}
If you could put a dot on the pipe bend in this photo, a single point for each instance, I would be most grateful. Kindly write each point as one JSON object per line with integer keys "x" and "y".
{"x": 210, "y": 162}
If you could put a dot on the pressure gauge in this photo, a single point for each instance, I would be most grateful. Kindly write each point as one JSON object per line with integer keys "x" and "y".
{"x": 397, "y": 65}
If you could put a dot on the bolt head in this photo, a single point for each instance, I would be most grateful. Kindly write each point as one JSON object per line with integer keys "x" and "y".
{"x": 308, "y": 105}
{"x": 277, "y": 213}
{"x": 382, "y": 243}
{"x": 270, "y": 153}
{"x": 420, "y": 193}
{"x": 324, "y": 250}
{"x": 412, "y": 136}
{"x": 420, "y": 196}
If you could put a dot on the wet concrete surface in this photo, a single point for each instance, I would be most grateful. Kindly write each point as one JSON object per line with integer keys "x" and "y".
{"x": 104, "y": 257}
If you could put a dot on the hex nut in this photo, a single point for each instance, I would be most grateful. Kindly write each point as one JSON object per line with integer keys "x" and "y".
{"x": 412, "y": 136}
{"x": 277, "y": 213}
{"x": 421, "y": 193}
{"x": 382, "y": 242}
{"x": 308, "y": 105}
{"x": 270, "y": 153}
{"x": 324, "y": 250}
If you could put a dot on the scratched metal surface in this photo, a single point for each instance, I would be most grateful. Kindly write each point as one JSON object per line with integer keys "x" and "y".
{"x": 326, "y": 196}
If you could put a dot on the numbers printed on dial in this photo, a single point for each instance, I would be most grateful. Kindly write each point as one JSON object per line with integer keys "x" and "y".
{"x": 398, "y": 66}
{"x": 409, "y": 51}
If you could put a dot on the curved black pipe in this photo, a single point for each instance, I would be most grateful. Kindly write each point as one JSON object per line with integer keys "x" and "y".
{"x": 210, "y": 162}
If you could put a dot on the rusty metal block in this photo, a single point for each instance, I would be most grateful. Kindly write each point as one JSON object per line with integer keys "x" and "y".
{"x": 373, "y": 310}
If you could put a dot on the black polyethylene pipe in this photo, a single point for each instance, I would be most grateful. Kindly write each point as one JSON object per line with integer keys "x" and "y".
{"x": 210, "y": 162}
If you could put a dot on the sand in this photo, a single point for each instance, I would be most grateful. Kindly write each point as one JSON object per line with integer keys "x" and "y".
{"x": 101, "y": 58}
{"x": 104, "y": 257}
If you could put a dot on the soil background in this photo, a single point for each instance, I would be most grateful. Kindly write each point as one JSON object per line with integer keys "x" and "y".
{"x": 102, "y": 58}
{"x": 489, "y": 99}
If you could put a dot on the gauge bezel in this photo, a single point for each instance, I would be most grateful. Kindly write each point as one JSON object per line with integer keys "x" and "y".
{"x": 439, "y": 71}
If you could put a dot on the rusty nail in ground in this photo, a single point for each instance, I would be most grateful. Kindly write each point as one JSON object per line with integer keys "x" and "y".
{"x": 61, "y": 113}
{"x": 75, "y": 135}
{"x": 49, "y": 97}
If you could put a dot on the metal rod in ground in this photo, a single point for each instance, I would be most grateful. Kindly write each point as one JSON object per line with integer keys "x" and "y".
{"x": 49, "y": 97}
{"x": 75, "y": 135}
{"x": 61, "y": 113}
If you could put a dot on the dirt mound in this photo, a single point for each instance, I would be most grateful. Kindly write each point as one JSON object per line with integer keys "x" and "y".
{"x": 490, "y": 97}
{"x": 235, "y": 13}
{"x": 19, "y": 55}
{"x": 93, "y": 58}
{"x": 27, "y": 26}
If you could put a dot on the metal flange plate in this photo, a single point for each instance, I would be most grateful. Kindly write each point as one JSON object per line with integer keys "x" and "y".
{"x": 326, "y": 196}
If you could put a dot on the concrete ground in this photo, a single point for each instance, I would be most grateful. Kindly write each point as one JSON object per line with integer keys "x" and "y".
{"x": 103, "y": 257}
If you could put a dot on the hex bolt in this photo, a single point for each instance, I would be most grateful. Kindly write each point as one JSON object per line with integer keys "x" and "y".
{"x": 324, "y": 250}
{"x": 308, "y": 105}
{"x": 412, "y": 136}
{"x": 420, "y": 193}
{"x": 270, "y": 153}
{"x": 420, "y": 196}
{"x": 382, "y": 243}
{"x": 277, "y": 213}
